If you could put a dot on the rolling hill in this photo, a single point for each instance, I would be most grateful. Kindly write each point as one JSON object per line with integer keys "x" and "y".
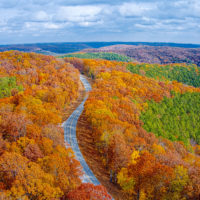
{"x": 99, "y": 55}
{"x": 154, "y": 54}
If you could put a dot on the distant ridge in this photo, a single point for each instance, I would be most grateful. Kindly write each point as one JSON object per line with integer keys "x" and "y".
{"x": 154, "y": 54}
{"x": 70, "y": 47}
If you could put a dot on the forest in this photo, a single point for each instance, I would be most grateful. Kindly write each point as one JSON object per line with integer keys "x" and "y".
{"x": 69, "y": 47}
{"x": 187, "y": 74}
{"x": 100, "y": 55}
{"x": 176, "y": 119}
{"x": 8, "y": 85}
{"x": 35, "y": 90}
{"x": 136, "y": 138}
{"x": 154, "y": 54}
{"x": 143, "y": 118}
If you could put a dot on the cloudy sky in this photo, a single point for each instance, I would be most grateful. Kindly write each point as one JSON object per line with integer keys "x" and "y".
{"x": 29, "y": 21}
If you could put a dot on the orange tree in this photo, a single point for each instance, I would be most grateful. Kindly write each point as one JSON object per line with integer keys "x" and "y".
{"x": 146, "y": 166}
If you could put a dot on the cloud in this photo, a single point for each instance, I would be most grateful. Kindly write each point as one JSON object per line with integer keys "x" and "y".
{"x": 78, "y": 13}
{"x": 41, "y": 16}
{"x": 41, "y": 25}
{"x": 99, "y": 20}
{"x": 136, "y": 9}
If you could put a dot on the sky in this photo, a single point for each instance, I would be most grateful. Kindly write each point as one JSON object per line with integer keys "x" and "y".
{"x": 31, "y": 21}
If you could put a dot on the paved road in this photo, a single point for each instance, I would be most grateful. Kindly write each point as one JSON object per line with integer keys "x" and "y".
{"x": 70, "y": 137}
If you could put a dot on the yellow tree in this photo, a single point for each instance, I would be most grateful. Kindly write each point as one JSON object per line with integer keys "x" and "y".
{"x": 63, "y": 166}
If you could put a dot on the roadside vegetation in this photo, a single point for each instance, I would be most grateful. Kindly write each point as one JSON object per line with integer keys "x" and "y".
{"x": 146, "y": 130}
{"x": 34, "y": 162}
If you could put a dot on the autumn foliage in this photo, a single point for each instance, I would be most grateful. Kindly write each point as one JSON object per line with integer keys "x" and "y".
{"x": 34, "y": 163}
{"x": 88, "y": 191}
{"x": 145, "y": 166}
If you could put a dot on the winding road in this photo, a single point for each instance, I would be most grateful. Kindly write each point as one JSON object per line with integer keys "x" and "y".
{"x": 70, "y": 136}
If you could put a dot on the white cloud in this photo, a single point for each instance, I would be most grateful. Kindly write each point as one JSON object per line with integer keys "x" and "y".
{"x": 146, "y": 19}
{"x": 136, "y": 9}
{"x": 50, "y": 25}
{"x": 100, "y": 18}
{"x": 180, "y": 3}
{"x": 78, "y": 13}
{"x": 42, "y": 25}
{"x": 41, "y": 16}
{"x": 187, "y": 7}
{"x": 196, "y": 7}
{"x": 87, "y": 24}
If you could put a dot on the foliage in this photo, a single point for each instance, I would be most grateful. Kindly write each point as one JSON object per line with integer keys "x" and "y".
{"x": 34, "y": 163}
{"x": 26, "y": 179}
{"x": 8, "y": 86}
{"x": 176, "y": 119}
{"x": 100, "y": 55}
{"x": 87, "y": 191}
{"x": 156, "y": 53}
{"x": 145, "y": 166}
{"x": 187, "y": 74}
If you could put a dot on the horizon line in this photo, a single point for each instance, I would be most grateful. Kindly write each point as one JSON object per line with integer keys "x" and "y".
{"x": 181, "y": 43}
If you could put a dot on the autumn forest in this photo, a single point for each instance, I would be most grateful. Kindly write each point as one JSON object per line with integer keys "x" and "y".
{"x": 143, "y": 120}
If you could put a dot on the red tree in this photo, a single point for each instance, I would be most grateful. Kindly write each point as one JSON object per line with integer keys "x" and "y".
{"x": 88, "y": 191}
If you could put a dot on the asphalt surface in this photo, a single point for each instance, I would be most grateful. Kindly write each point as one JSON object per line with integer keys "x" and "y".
{"x": 70, "y": 137}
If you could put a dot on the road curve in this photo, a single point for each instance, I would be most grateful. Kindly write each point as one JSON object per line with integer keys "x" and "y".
{"x": 70, "y": 136}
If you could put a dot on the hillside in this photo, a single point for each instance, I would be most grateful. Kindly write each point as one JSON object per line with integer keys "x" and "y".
{"x": 139, "y": 131}
{"x": 161, "y": 53}
{"x": 100, "y": 55}
{"x": 145, "y": 130}
{"x": 187, "y": 74}
{"x": 35, "y": 93}
{"x": 154, "y": 54}
{"x": 70, "y": 47}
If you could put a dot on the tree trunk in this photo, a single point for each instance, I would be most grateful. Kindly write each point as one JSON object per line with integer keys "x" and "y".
{"x": 111, "y": 176}
{"x": 138, "y": 194}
